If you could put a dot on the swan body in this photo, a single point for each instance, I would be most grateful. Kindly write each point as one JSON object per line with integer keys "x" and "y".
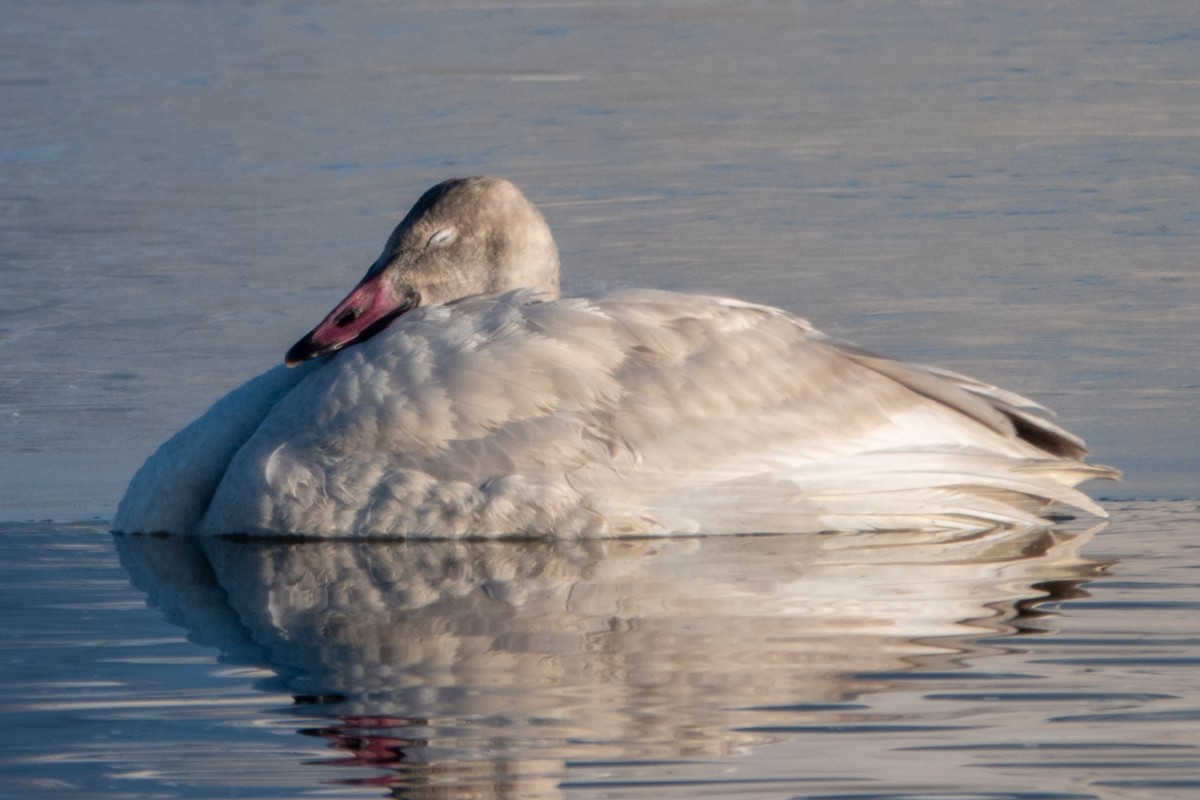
{"x": 453, "y": 394}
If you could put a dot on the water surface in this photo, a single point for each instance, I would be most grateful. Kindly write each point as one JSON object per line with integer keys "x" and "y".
{"x": 1048, "y": 665}
{"x": 1007, "y": 189}
{"x": 1003, "y": 189}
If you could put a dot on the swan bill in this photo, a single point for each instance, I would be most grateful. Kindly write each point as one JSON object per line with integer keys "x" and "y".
{"x": 366, "y": 311}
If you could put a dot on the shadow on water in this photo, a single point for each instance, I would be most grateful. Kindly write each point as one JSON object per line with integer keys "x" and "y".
{"x": 488, "y": 669}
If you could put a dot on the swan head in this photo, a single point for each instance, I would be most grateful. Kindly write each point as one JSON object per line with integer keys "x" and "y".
{"x": 464, "y": 237}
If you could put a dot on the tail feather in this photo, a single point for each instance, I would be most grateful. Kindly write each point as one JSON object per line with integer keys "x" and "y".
{"x": 909, "y": 489}
{"x": 1005, "y": 412}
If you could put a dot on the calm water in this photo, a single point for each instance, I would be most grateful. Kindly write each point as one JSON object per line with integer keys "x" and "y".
{"x": 1009, "y": 189}
{"x": 1057, "y": 666}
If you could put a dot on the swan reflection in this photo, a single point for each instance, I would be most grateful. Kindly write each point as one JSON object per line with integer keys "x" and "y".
{"x": 491, "y": 664}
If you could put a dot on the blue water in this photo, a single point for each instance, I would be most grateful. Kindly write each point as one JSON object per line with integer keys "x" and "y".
{"x": 1058, "y": 665}
{"x": 1007, "y": 189}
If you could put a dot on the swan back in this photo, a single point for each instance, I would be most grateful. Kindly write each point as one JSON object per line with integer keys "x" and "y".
{"x": 630, "y": 413}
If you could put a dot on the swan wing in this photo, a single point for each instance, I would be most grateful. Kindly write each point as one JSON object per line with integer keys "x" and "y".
{"x": 630, "y": 412}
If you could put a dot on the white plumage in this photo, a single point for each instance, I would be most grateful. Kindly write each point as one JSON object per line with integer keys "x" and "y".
{"x": 492, "y": 409}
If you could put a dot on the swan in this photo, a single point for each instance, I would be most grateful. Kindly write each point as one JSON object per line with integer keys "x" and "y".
{"x": 454, "y": 393}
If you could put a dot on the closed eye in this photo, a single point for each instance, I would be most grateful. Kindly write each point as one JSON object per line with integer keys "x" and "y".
{"x": 442, "y": 237}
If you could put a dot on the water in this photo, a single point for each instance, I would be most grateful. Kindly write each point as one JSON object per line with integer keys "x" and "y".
{"x": 1050, "y": 666}
{"x": 1006, "y": 189}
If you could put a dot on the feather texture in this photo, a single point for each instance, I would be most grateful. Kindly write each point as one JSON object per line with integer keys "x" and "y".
{"x": 459, "y": 396}
{"x": 625, "y": 413}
